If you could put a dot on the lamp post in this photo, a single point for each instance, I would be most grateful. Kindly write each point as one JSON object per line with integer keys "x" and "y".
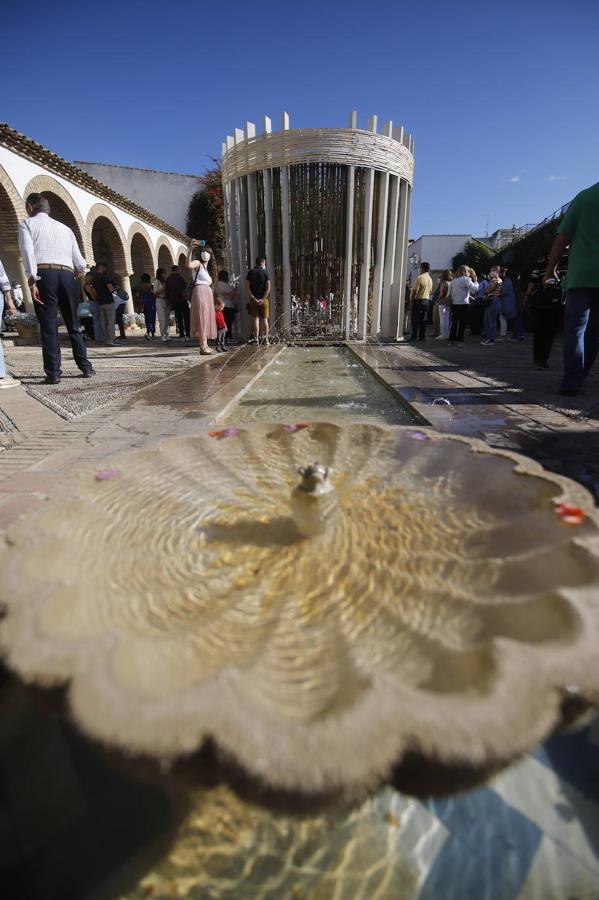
{"x": 414, "y": 263}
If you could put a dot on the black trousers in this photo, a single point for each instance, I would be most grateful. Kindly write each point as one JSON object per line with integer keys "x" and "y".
{"x": 545, "y": 322}
{"x": 182, "y": 317}
{"x": 229, "y": 314}
{"x": 459, "y": 317}
{"x": 119, "y": 313}
{"x": 419, "y": 311}
{"x": 477, "y": 318}
{"x": 59, "y": 290}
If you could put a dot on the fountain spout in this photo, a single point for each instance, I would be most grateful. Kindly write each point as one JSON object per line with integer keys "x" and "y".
{"x": 314, "y": 500}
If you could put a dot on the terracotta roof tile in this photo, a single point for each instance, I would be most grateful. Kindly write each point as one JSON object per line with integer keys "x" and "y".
{"x": 35, "y": 152}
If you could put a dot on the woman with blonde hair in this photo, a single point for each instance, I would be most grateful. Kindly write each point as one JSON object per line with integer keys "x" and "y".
{"x": 442, "y": 307}
{"x": 460, "y": 290}
{"x": 203, "y": 321}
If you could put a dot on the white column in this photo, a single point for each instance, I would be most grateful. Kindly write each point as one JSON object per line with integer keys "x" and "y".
{"x": 227, "y": 207}
{"x": 241, "y": 188}
{"x": 366, "y": 245}
{"x": 285, "y": 217}
{"x": 126, "y": 285}
{"x": 390, "y": 250}
{"x": 396, "y": 305}
{"x": 231, "y": 198}
{"x": 270, "y": 247}
{"x": 379, "y": 263}
{"x": 250, "y": 133}
{"x": 402, "y": 250}
{"x": 349, "y": 238}
{"x": 25, "y": 285}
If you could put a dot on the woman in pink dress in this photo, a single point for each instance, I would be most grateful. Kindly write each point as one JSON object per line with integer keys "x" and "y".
{"x": 203, "y": 322}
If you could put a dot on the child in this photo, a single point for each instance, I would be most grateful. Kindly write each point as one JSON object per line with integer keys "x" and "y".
{"x": 221, "y": 327}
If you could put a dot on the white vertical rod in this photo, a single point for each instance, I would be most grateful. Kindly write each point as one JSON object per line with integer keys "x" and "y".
{"x": 379, "y": 263}
{"x": 349, "y": 251}
{"x": 396, "y": 305}
{"x": 285, "y": 217}
{"x": 240, "y": 186}
{"x": 349, "y": 237}
{"x": 402, "y": 248}
{"x": 231, "y": 199}
{"x": 386, "y": 327}
{"x": 366, "y": 245}
{"x": 250, "y": 134}
{"x": 227, "y": 220}
{"x": 269, "y": 238}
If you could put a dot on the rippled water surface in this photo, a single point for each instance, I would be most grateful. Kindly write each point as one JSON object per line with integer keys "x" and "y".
{"x": 318, "y": 383}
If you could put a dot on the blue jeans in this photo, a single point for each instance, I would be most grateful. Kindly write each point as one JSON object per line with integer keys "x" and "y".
{"x": 2, "y": 366}
{"x": 581, "y": 334}
{"x": 491, "y": 313}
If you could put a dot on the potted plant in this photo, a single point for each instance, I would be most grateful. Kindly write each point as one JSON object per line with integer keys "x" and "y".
{"x": 25, "y": 324}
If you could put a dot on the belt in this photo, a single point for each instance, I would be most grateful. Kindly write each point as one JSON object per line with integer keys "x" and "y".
{"x": 55, "y": 266}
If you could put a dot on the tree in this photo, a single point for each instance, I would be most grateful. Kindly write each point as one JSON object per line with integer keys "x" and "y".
{"x": 206, "y": 213}
{"x": 476, "y": 255}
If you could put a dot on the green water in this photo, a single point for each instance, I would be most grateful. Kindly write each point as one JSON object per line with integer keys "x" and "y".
{"x": 325, "y": 383}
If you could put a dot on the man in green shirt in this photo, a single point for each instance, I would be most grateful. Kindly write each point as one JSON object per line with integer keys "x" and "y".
{"x": 580, "y": 229}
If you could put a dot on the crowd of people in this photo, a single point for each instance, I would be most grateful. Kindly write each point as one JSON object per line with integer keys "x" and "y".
{"x": 493, "y": 306}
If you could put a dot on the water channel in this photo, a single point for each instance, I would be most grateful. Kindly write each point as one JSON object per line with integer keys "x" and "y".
{"x": 319, "y": 383}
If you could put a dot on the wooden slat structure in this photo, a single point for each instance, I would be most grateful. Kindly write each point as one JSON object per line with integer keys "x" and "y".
{"x": 328, "y": 208}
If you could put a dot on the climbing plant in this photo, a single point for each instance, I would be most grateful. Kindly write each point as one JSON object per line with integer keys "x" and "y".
{"x": 206, "y": 213}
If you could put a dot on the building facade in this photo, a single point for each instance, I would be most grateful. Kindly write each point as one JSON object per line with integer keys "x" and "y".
{"x": 107, "y": 226}
{"x": 436, "y": 249}
{"x": 329, "y": 209}
{"x": 166, "y": 194}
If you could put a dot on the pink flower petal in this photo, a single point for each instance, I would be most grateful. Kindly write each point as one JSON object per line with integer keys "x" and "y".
{"x": 418, "y": 436}
{"x": 295, "y": 426}
{"x": 105, "y": 474}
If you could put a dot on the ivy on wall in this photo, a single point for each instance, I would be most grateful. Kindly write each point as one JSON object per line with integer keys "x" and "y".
{"x": 206, "y": 213}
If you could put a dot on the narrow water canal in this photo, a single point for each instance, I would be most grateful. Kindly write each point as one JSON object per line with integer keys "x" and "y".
{"x": 312, "y": 383}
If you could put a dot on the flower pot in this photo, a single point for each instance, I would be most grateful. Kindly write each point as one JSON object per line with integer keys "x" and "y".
{"x": 28, "y": 330}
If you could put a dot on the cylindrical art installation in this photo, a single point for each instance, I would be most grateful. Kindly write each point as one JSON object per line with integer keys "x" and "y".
{"x": 328, "y": 208}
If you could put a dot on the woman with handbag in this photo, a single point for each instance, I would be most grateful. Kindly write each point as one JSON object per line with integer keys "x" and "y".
{"x": 203, "y": 322}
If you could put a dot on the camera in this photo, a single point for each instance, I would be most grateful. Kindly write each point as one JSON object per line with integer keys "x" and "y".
{"x": 202, "y": 243}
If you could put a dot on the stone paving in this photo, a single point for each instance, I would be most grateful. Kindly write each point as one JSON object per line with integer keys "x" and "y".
{"x": 147, "y": 391}
{"x": 186, "y": 391}
{"x": 498, "y": 395}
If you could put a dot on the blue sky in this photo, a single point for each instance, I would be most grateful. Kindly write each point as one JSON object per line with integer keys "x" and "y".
{"x": 502, "y": 99}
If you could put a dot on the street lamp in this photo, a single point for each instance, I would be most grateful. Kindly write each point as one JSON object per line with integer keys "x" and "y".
{"x": 414, "y": 262}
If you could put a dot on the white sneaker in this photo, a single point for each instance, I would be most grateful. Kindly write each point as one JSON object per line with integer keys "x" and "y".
{"x": 8, "y": 381}
{"x": 165, "y": 337}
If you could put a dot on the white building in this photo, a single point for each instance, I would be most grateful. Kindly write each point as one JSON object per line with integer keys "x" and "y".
{"x": 107, "y": 225}
{"x": 436, "y": 249}
{"x": 166, "y": 194}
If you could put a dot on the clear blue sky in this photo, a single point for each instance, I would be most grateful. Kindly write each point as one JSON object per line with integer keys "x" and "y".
{"x": 502, "y": 98}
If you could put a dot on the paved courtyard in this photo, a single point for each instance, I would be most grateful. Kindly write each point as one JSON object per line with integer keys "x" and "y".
{"x": 532, "y": 832}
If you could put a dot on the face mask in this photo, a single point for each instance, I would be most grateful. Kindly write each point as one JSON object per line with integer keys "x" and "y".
{"x": 204, "y": 256}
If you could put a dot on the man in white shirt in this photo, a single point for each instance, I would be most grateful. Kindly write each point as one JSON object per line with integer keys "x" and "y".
{"x": 53, "y": 263}
{"x": 5, "y": 380}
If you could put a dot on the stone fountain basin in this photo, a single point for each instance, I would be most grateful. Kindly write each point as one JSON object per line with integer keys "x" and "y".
{"x": 451, "y": 613}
